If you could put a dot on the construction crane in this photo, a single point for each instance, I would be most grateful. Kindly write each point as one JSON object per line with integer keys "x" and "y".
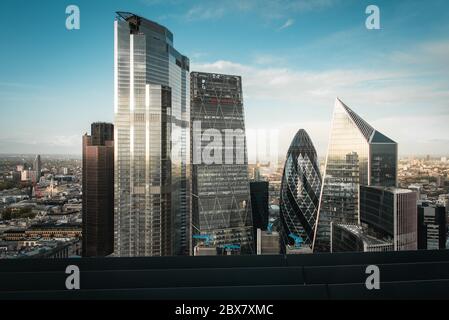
{"x": 206, "y": 237}
{"x": 298, "y": 240}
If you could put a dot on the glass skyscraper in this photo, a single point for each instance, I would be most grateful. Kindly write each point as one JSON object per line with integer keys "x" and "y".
{"x": 357, "y": 155}
{"x": 390, "y": 213}
{"x": 152, "y": 126}
{"x": 221, "y": 203}
{"x": 300, "y": 191}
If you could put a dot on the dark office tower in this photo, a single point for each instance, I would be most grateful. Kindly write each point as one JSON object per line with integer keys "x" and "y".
{"x": 152, "y": 127}
{"x": 390, "y": 213}
{"x": 259, "y": 203}
{"x": 432, "y": 227}
{"x": 98, "y": 191}
{"x": 220, "y": 190}
{"x": 300, "y": 190}
{"x": 259, "y": 206}
{"x": 357, "y": 155}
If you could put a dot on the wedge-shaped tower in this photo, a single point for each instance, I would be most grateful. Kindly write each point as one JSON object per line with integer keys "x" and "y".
{"x": 300, "y": 191}
{"x": 357, "y": 155}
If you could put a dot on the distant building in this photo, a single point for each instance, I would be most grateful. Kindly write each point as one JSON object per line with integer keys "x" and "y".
{"x": 390, "y": 213}
{"x": 349, "y": 238}
{"x": 274, "y": 191}
{"x": 98, "y": 191}
{"x": 204, "y": 251}
{"x": 16, "y": 176}
{"x": 26, "y": 175}
{"x": 267, "y": 242}
{"x": 357, "y": 155}
{"x": 37, "y": 167}
{"x": 49, "y": 231}
{"x": 418, "y": 188}
{"x": 432, "y": 227}
{"x": 440, "y": 181}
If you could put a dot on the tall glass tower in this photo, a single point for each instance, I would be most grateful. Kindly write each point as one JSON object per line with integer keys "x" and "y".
{"x": 357, "y": 155}
{"x": 151, "y": 130}
{"x": 300, "y": 191}
{"x": 220, "y": 191}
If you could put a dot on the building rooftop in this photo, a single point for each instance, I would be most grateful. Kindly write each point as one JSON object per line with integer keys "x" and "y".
{"x": 360, "y": 233}
{"x": 391, "y": 189}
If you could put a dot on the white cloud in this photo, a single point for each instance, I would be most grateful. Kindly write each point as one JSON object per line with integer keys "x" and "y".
{"x": 205, "y": 13}
{"x": 208, "y": 10}
{"x": 286, "y": 87}
{"x": 402, "y": 101}
{"x": 287, "y": 24}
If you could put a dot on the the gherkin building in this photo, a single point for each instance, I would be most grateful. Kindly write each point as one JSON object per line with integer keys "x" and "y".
{"x": 300, "y": 191}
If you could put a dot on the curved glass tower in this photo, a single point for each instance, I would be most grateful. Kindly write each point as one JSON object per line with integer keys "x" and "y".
{"x": 300, "y": 190}
{"x": 357, "y": 155}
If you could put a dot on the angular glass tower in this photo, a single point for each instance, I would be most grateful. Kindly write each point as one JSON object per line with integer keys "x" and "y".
{"x": 151, "y": 130}
{"x": 357, "y": 155}
{"x": 221, "y": 204}
{"x": 300, "y": 191}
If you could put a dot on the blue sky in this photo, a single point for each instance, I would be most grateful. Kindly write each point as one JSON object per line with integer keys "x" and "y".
{"x": 295, "y": 57}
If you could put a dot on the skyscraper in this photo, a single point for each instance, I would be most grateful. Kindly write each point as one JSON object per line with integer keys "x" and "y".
{"x": 98, "y": 191}
{"x": 390, "y": 213}
{"x": 259, "y": 203}
{"x": 357, "y": 155}
{"x": 259, "y": 206}
{"x": 220, "y": 190}
{"x": 352, "y": 238}
{"x": 300, "y": 190}
{"x": 37, "y": 167}
{"x": 432, "y": 227}
{"x": 152, "y": 126}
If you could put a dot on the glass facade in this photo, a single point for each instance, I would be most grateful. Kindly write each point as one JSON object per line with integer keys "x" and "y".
{"x": 432, "y": 227}
{"x": 152, "y": 125}
{"x": 390, "y": 213}
{"x": 221, "y": 203}
{"x": 377, "y": 209}
{"x": 300, "y": 190}
{"x": 351, "y": 238}
{"x": 357, "y": 155}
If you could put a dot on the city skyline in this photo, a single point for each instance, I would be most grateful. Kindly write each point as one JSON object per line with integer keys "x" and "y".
{"x": 301, "y": 76}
